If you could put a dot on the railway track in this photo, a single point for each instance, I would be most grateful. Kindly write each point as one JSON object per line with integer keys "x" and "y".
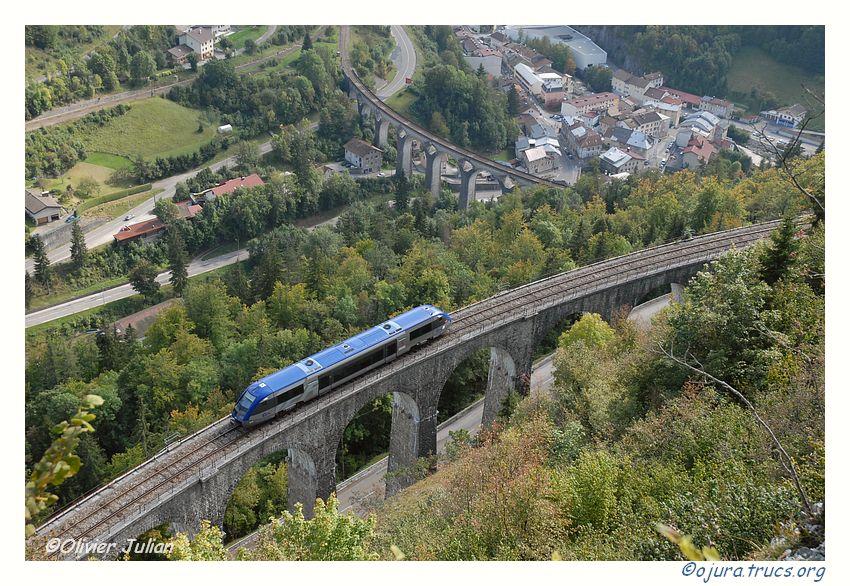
{"x": 184, "y": 462}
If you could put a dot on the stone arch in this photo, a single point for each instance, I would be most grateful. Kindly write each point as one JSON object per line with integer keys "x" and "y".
{"x": 502, "y": 376}
{"x": 404, "y": 152}
{"x": 301, "y": 477}
{"x": 468, "y": 175}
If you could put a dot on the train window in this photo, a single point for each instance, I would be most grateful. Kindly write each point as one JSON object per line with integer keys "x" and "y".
{"x": 291, "y": 394}
{"x": 422, "y": 330}
{"x": 265, "y": 405}
{"x": 324, "y": 381}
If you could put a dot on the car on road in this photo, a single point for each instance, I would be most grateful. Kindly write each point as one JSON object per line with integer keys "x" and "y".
{"x": 382, "y": 174}
{"x": 129, "y": 217}
{"x": 71, "y": 218}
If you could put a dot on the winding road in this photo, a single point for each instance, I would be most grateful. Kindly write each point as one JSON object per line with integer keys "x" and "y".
{"x": 404, "y": 58}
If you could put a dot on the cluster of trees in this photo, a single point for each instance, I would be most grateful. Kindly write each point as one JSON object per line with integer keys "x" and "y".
{"x": 598, "y": 78}
{"x": 463, "y": 107}
{"x": 628, "y": 438}
{"x": 370, "y": 53}
{"x": 262, "y": 102}
{"x": 134, "y": 55}
{"x": 52, "y": 150}
{"x": 558, "y": 53}
{"x": 145, "y": 171}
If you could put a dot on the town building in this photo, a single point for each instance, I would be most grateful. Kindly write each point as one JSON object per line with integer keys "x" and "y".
{"x": 615, "y": 161}
{"x": 697, "y": 153}
{"x": 477, "y": 54}
{"x": 585, "y": 52}
{"x": 717, "y": 106}
{"x": 635, "y": 86}
{"x": 537, "y": 160}
{"x": 691, "y": 101}
{"x": 362, "y": 156}
{"x": 603, "y": 102}
{"x": 548, "y": 87}
{"x": 790, "y": 116}
{"x": 651, "y": 123}
{"x": 583, "y": 142}
{"x": 41, "y": 207}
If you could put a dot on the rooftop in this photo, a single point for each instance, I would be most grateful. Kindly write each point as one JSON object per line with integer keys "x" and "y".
{"x": 139, "y": 230}
{"x": 232, "y": 185}
{"x": 35, "y": 201}
{"x": 361, "y": 148}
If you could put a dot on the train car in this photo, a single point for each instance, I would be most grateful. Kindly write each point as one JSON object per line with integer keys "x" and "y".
{"x": 320, "y": 373}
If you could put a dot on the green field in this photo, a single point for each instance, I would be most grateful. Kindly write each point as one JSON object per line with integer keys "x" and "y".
{"x": 253, "y": 32}
{"x": 108, "y": 160}
{"x": 86, "y": 170}
{"x": 154, "y": 127}
{"x": 753, "y": 67}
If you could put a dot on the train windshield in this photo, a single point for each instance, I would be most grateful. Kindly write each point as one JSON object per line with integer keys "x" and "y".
{"x": 246, "y": 400}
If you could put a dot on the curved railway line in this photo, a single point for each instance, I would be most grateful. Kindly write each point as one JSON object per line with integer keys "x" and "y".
{"x": 186, "y": 461}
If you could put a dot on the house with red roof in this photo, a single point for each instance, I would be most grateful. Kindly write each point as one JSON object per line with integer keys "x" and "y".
{"x": 698, "y": 152}
{"x": 226, "y": 188}
{"x": 140, "y": 232}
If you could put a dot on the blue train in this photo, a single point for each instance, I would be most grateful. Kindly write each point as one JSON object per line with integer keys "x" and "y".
{"x": 320, "y": 373}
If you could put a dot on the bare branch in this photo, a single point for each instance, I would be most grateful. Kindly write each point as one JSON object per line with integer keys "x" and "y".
{"x": 784, "y": 459}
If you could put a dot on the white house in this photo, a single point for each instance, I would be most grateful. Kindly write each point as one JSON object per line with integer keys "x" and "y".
{"x": 200, "y": 39}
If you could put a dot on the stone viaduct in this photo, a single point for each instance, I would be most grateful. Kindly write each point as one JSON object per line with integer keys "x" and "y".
{"x": 436, "y": 149}
{"x": 194, "y": 478}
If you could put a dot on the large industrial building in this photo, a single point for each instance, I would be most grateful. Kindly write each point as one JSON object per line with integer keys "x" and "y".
{"x": 585, "y": 52}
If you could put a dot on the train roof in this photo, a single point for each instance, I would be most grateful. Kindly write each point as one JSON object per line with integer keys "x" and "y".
{"x": 335, "y": 354}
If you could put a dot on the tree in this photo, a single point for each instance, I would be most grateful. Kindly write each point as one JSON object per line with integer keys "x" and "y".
{"x": 28, "y": 291}
{"x": 166, "y": 211}
{"x": 40, "y": 261}
{"x": 247, "y": 156}
{"x": 143, "y": 279}
{"x": 177, "y": 260}
{"x": 193, "y": 61}
{"x": 307, "y": 44}
{"x": 78, "y": 246}
{"x": 142, "y": 67}
{"x": 513, "y": 101}
{"x": 779, "y": 255}
{"x": 59, "y": 462}
{"x": 250, "y": 46}
{"x": 402, "y": 192}
{"x": 327, "y": 536}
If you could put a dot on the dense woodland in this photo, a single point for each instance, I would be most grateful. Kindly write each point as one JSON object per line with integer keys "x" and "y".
{"x": 697, "y": 58}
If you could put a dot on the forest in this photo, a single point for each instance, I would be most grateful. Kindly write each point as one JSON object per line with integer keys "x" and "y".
{"x": 302, "y": 290}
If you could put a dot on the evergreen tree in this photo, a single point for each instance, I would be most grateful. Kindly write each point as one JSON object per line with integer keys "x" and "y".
{"x": 177, "y": 261}
{"x": 402, "y": 192}
{"x": 779, "y": 256}
{"x": 41, "y": 262}
{"x": 308, "y": 42}
{"x": 513, "y": 101}
{"x": 78, "y": 246}
{"x": 28, "y": 292}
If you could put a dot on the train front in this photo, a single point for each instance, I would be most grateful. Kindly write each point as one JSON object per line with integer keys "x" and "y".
{"x": 242, "y": 411}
